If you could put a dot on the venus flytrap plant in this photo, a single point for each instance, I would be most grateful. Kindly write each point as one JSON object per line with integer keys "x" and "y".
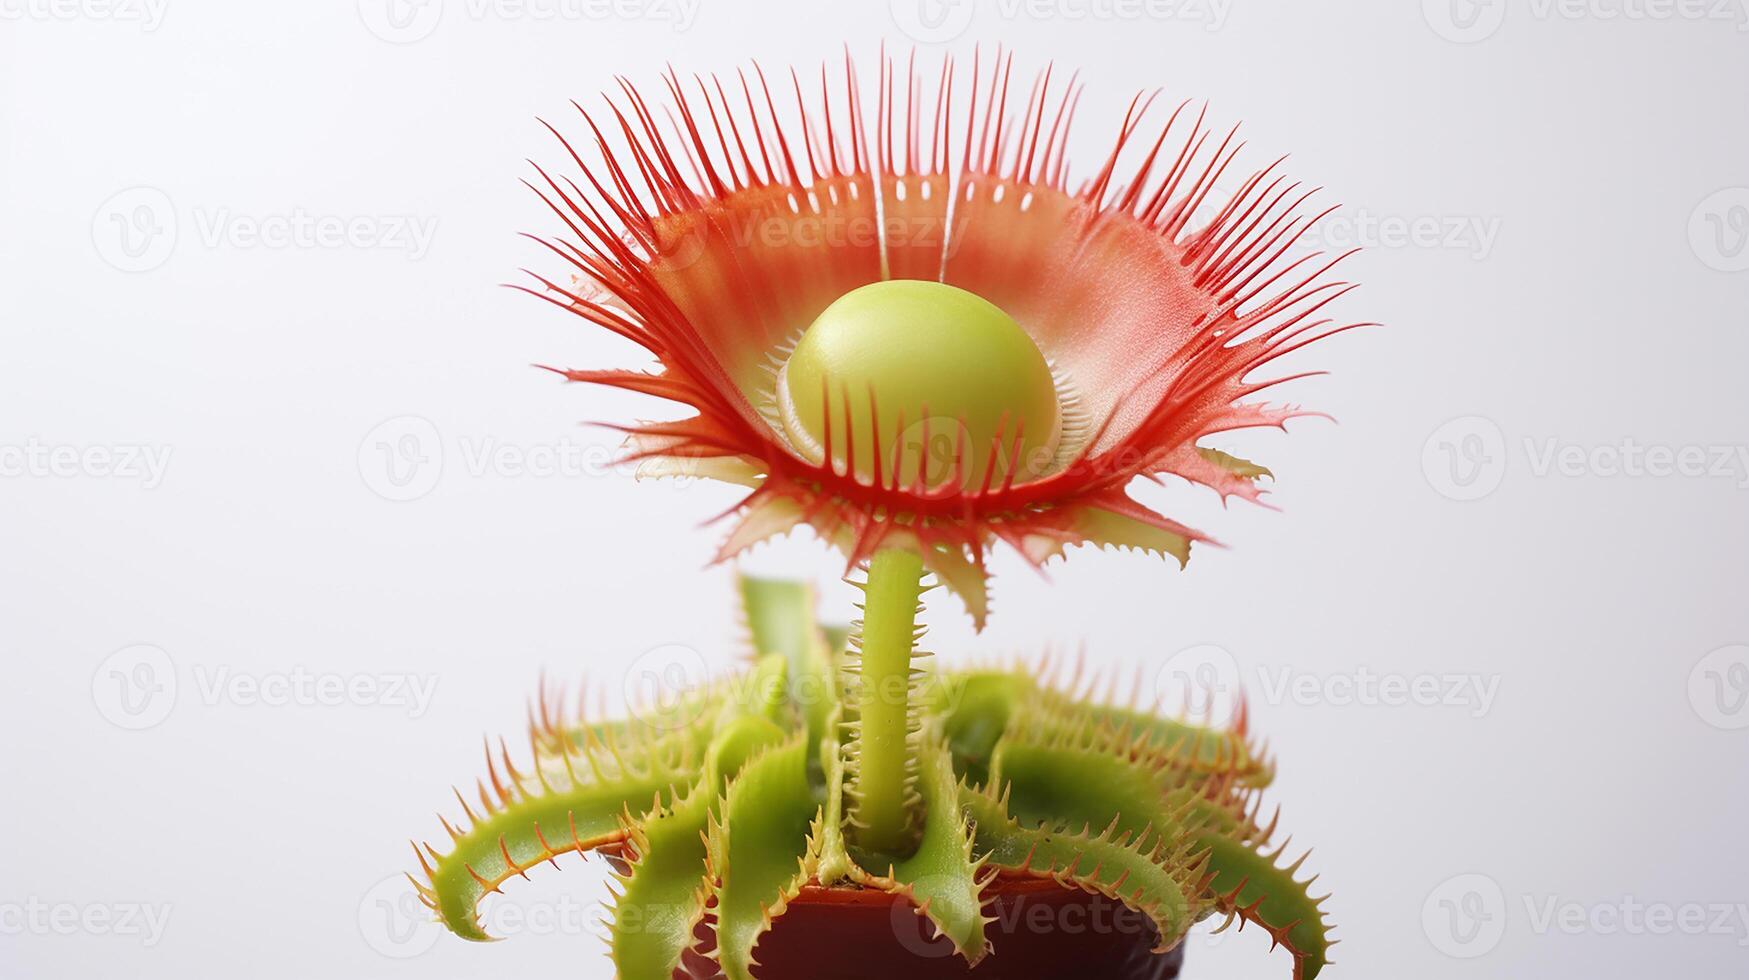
{"x": 914, "y": 400}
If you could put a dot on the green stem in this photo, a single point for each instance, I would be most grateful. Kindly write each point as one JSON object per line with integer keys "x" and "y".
{"x": 883, "y": 772}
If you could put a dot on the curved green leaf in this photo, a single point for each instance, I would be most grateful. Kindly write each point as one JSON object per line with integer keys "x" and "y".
{"x": 941, "y": 878}
{"x": 666, "y": 891}
{"x": 1254, "y": 887}
{"x": 758, "y": 847}
{"x": 1145, "y": 872}
{"x": 526, "y": 826}
{"x": 665, "y": 894}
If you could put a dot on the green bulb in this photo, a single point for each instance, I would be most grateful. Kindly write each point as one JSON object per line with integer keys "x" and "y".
{"x": 927, "y": 351}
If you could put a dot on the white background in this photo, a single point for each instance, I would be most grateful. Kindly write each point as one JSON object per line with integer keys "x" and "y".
{"x": 1593, "y": 297}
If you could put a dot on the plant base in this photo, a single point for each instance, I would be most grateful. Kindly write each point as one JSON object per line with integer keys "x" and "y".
{"x": 1042, "y": 930}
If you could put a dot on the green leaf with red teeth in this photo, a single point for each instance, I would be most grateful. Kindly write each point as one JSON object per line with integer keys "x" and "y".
{"x": 758, "y": 848}
{"x": 942, "y": 877}
{"x": 667, "y": 888}
{"x": 1150, "y": 873}
{"x": 1255, "y": 888}
{"x": 528, "y": 820}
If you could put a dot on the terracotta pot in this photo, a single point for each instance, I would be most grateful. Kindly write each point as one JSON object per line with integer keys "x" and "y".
{"x": 1042, "y": 930}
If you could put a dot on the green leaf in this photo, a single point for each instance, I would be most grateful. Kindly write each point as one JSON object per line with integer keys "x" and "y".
{"x": 1151, "y": 874}
{"x": 940, "y": 877}
{"x": 975, "y": 708}
{"x": 666, "y": 891}
{"x": 530, "y": 821}
{"x": 760, "y": 693}
{"x": 1065, "y": 785}
{"x": 1190, "y": 749}
{"x": 1254, "y": 887}
{"x": 758, "y": 846}
{"x": 780, "y": 617}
